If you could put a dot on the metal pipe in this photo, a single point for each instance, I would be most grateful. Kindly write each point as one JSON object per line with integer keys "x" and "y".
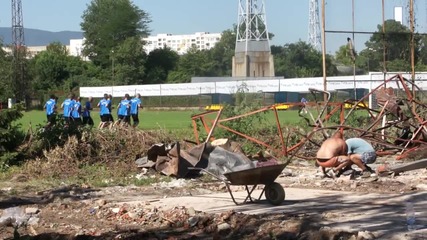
{"x": 324, "y": 51}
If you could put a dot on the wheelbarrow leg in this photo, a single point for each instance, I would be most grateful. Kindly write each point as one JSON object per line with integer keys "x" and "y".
{"x": 230, "y": 192}
{"x": 249, "y": 197}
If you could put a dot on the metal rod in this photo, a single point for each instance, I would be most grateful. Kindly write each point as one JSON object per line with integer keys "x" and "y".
{"x": 384, "y": 45}
{"x": 411, "y": 14}
{"x": 213, "y": 126}
{"x": 325, "y": 97}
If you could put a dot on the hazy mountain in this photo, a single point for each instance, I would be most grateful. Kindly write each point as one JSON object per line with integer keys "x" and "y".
{"x": 36, "y": 37}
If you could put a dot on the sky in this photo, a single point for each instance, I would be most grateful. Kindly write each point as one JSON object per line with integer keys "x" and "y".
{"x": 286, "y": 19}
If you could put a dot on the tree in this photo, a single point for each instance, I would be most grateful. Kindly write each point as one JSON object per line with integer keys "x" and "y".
{"x": 5, "y": 75}
{"x": 343, "y": 57}
{"x": 129, "y": 58}
{"x": 222, "y": 53}
{"x": 195, "y": 63}
{"x": 397, "y": 47}
{"x": 300, "y": 60}
{"x": 107, "y": 24}
{"x": 159, "y": 63}
{"x": 54, "y": 70}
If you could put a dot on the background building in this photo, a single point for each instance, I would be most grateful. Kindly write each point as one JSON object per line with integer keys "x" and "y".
{"x": 182, "y": 43}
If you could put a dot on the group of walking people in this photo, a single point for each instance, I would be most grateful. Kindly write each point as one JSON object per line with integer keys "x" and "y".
{"x": 127, "y": 109}
{"x": 76, "y": 113}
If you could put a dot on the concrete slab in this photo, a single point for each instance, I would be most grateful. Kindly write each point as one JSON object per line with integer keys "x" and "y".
{"x": 383, "y": 214}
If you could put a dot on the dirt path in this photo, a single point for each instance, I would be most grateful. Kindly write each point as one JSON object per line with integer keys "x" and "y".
{"x": 191, "y": 209}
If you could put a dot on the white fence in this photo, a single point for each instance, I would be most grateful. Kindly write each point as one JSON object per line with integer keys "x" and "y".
{"x": 370, "y": 81}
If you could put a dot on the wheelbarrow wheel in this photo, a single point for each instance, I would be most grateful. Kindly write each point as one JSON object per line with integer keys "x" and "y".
{"x": 274, "y": 193}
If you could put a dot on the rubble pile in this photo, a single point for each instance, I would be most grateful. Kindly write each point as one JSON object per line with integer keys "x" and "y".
{"x": 109, "y": 221}
{"x": 182, "y": 160}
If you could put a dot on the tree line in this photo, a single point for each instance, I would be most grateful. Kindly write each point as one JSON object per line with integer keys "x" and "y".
{"x": 113, "y": 30}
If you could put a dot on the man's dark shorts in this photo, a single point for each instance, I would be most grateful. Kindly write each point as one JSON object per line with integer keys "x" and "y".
{"x": 135, "y": 118}
{"x": 77, "y": 120}
{"x": 106, "y": 118}
{"x": 126, "y": 119}
{"x": 88, "y": 120}
{"x": 368, "y": 157}
{"x": 51, "y": 118}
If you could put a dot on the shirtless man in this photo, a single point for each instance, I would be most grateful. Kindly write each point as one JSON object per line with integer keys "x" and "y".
{"x": 333, "y": 154}
{"x": 337, "y": 154}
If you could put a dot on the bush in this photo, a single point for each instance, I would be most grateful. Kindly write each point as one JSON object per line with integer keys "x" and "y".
{"x": 10, "y": 137}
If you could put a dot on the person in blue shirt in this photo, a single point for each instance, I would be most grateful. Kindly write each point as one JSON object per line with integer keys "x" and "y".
{"x": 87, "y": 119}
{"x": 135, "y": 104}
{"x": 77, "y": 112}
{"x": 123, "y": 110}
{"x": 50, "y": 107}
{"x": 67, "y": 105}
{"x": 104, "y": 111}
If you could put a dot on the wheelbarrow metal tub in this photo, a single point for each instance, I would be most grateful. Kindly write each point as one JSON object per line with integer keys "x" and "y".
{"x": 274, "y": 192}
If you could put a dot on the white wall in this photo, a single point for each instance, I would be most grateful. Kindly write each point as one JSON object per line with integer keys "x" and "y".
{"x": 370, "y": 81}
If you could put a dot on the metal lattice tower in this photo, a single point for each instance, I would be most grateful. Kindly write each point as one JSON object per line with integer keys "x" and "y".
{"x": 17, "y": 24}
{"x": 252, "y": 54}
{"x": 252, "y": 22}
{"x": 18, "y": 76}
{"x": 314, "y": 37}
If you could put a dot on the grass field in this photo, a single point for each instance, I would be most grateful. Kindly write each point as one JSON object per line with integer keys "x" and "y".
{"x": 156, "y": 119}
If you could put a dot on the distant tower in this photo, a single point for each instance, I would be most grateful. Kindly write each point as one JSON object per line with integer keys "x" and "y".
{"x": 17, "y": 24}
{"x": 18, "y": 79}
{"x": 252, "y": 56}
{"x": 314, "y": 37}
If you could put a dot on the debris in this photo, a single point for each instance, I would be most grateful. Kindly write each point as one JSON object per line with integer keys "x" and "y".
{"x": 32, "y": 210}
{"x": 15, "y": 216}
{"x": 223, "y": 227}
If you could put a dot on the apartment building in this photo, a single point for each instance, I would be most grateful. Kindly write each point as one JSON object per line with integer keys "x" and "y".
{"x": 182, "y": 43}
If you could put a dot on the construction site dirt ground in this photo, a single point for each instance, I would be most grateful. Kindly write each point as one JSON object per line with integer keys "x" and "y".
{"x": 314, "y": 208}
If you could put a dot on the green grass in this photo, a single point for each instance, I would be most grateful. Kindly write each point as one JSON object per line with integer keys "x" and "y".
{"x": 147, "y": 119}
{"x": 157, "y": 119}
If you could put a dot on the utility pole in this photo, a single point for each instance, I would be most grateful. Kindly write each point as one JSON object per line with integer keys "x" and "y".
{"x": 325, "y": 96}
{"x": 412, "y": 26}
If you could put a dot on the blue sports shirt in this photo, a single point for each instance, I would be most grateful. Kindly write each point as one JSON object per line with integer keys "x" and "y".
{"x": 50, "y": 107}
{"x": 134, "y": 105}
{"x": 68, "y": 107}
{"x": 77, "y": 109}
{"x": 103, "y": 106}
{"x": 124, "y": 107}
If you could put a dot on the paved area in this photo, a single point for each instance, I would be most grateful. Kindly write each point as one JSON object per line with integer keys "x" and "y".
{"x": 382, "y": 214}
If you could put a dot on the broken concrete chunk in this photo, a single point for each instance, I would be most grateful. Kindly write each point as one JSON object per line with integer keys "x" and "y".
{"x": 32, "y": 210}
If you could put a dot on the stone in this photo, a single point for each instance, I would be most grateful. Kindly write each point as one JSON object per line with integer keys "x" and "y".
{"x": 141, "y": 161}
{"x": 31, "y": 210}
{"x": 365, "y": 235}
{"x": 133, "y": 215}
{"x": 33, "y": 221}
{"x": 101, "y": 202}
{"x": 191, "y": 212}
{"x": 115, "y": 210}
{"x": 422, "y": 187}
{"x": 223, "y": 226}
{"x": 192, "y": 221}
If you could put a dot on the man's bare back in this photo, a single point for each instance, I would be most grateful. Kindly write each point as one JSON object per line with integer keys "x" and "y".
{"x": 332, "y": 147}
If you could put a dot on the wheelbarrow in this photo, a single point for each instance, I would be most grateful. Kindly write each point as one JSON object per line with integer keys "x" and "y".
{"x": 251, "y": 178}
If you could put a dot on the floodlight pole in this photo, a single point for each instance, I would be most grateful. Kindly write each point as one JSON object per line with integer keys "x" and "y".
{"x": 411, "y": 14}
{"x": 325, "y": 96}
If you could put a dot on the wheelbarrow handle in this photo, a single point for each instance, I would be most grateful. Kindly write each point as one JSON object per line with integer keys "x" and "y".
{"x": 213, "y": 175}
